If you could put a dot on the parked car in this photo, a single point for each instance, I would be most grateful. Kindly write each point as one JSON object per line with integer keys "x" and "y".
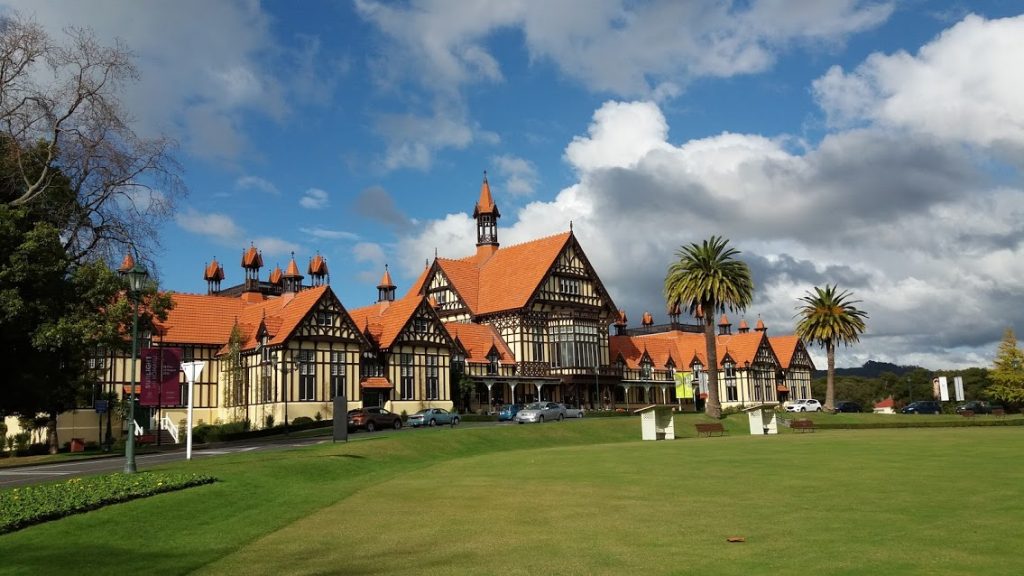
{"x": 805, "y": 405}
{"x": 976, "y": 406}
{"x": 539, "y": 412}
{"x": 373, "y": 418}
{"x": 571, "y": 412}
{"x": 847, "y": 406}
{"x": 508, "y": 412}
{"x": 922, "y": 407}
{"x": 432, "y": 417}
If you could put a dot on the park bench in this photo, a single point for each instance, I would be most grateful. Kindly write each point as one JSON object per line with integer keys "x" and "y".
{"x": 998, "y": 412}
{"x": 802, "y": 425}
{"x": 707, "y": 429}
{"x": 967, "y": 413}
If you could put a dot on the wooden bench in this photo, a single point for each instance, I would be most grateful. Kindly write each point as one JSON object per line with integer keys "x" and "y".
{"x": 967, "y": 413}
{"x": 710, "y": 428}
{"x": 802, "y": 425}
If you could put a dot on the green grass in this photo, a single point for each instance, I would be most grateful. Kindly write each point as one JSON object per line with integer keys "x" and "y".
{"x": 575, "y": 498}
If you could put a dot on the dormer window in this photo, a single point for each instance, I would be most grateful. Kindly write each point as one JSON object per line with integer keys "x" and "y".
{"x": 730, "y": 369}
{"x": 419, "y": 325}
{"x": 492, "y": 363}
{"x": 645, "y": 370}
{"x": 323, "y": 319}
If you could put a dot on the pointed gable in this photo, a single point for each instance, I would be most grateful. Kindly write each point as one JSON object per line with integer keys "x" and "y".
{"x": 386, "y": 321}
{"x": 512, "y": 275}
{"x": 788, "y": 348}
{"x": 478, "y": 340}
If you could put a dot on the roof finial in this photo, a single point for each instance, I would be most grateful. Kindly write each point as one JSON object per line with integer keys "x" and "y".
{"x": 570, "y": 225}
{"x": 485, "y": 175}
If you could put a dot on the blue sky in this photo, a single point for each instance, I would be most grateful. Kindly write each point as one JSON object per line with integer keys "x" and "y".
{"x": 876, "y": 145}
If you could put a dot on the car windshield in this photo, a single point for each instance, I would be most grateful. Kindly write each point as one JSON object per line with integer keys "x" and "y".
{"x": 535, "y": 406}
{"x": 421, "y": 412}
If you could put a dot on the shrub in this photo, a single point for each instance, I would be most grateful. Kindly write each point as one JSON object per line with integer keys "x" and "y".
{"x": 302, "y": 420}
{"x": 318, "y": 417}
{"x": 405, "y": 415}
{"x": 25, "y": 506}
{"x": 268, "y": 421}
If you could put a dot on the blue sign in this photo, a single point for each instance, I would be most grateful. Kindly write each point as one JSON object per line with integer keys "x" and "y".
{"x": 101, "y": 406}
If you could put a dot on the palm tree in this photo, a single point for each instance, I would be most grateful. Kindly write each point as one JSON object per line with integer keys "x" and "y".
{"x": 708, "y": 278}
{"x": 828, "y": 316}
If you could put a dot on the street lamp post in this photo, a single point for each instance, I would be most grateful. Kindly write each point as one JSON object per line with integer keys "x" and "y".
{"x": 597, "y": 386}
{"x": 136, "y": 281}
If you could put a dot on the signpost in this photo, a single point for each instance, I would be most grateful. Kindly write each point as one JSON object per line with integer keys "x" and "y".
{"x": 192, "y": 371}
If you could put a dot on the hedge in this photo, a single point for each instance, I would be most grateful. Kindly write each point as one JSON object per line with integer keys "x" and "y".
{"x": 28, "y": 505}
{"x": 923, "y": 422}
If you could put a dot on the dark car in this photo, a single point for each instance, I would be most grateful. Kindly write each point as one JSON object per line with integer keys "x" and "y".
{"x": 373, "y": 418}
{"x": 976, "y": 406}
{"x": 847, "y": 406}
{"x": 922, "y": 407}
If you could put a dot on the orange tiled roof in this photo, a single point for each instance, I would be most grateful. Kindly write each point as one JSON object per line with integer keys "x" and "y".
{"x": 385, "y": 280}
{"x": 376, "y": 382}
{"x": 685, "y": 346}
{"x": 510, "y": 277}
{"x": 785, "y": 347}
{"x": 478, "y": 339}
{"x": 293, "y": 269}
{"x": 724, "y": 321}
{"x": 744, "y": 325}
{"x": 385, "y": 320}
{"x": 199, "y": 319}
{"x": 759, "y": 325}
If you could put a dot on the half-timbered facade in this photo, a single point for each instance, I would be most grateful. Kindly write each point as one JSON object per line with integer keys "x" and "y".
{"x": 542, "y": 298}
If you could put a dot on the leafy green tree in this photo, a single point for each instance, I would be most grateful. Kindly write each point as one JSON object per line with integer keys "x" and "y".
{"x": 828, "y": 316}
{"x": 1008, "y": 370}
{"x": 706, "y": 279}
{"x": 235, "y": 375}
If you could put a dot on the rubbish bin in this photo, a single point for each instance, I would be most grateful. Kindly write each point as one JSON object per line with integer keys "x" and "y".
{"x": 77, "y": 445}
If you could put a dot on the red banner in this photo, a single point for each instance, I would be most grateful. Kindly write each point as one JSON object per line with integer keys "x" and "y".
{"x": 161, "y": 383}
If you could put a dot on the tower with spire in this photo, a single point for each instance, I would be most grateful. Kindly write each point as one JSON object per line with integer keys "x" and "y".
{"x": 386, "y": 288}
{"x": 486, "y": 214}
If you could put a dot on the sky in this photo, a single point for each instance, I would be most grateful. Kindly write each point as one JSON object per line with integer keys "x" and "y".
{"x": 874, "y": 145}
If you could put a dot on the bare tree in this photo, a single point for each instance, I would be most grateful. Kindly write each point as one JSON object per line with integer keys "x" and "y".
{"x": 69, "y": 144}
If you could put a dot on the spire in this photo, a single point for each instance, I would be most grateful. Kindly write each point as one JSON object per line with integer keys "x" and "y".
{"x": 744, "y": 327}
{"x": 292, "y": 278}
{"x": 386, "y": 288}
{"x": 759, "y": 327}
{"x": 318, "y": 270}
{"x": 213, "y": 274}
{"x": 647, "y": 320}
{"x": 275, "y": 276}
{"x": 486, "y": 214}
{"x": 252, "y": 261}
{"x": 620, "y": 323}
{"x": 127, "y": 264}
{"x": 724, "y": 326}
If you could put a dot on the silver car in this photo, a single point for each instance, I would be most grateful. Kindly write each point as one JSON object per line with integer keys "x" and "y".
{"x": 540, "y": 411}
{"x": 432, "y": 417}
{"x": 571, "y": 412}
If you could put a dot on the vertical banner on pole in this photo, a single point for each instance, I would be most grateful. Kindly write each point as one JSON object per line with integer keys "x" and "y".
{"x": 958, "y": 387}
{"x": 935, "y": 388}
{"x": 943, "y": 389}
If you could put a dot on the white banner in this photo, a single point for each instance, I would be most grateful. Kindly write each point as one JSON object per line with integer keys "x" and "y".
{"x": 958, "y": 387}
{"x": 943, "y": 389}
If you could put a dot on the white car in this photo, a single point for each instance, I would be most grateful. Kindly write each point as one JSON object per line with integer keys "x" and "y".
{"x": 571, "y": 412}
{"x": 806, "y": 405}
{"x": 539, "y": 412}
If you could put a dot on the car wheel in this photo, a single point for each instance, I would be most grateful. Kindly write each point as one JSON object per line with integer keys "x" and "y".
{"x": 818, "y": 410}
{"x": 398, "y": 424}
{"x": 432, "y": 423}
{"x": 579, "y": 414}
{"x": 560, "y": 417}
{"x": 541, "y": 420}
{"x": 455, "y": 422}
{"x": 370, "y": 426}
{"x": 803, "y": 409}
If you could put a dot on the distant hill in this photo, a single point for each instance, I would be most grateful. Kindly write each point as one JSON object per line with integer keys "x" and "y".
{"x": 870, "y": 369}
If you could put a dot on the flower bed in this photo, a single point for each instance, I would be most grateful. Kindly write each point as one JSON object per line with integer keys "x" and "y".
{"x": 28, "y": 505}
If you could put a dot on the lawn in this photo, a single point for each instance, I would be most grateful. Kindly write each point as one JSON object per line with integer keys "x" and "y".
{"x": 571, "y": 498}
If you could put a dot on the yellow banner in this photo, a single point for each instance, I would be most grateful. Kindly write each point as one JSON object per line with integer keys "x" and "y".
{"x": 684, "y": 385}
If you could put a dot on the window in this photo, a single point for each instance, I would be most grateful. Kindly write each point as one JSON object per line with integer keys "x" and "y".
{"x": 492, "y": 363}
{"x": 307, "y": 375}
{"x": 645, "y": 370}
{"x": 337, "y": 374}
{"x": 569, "y": 286}
{"x": 370, "y": 367}
{"x": 407, "y": 380}
{"x": 671, "y": 373}
{"x": 266, "y": 355}
{"x": 731, "y": 391}
{"x": 538, "y": 344}
{"x": 323, "y": 318}
{"x": 433, "y": 392}
{"x": 419, "y": 325}
{"x": 574, "y": 345}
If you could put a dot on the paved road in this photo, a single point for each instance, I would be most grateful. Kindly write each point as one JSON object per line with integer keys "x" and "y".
{"x": 21, "y": 476}
{"x": 25, "y": 475}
